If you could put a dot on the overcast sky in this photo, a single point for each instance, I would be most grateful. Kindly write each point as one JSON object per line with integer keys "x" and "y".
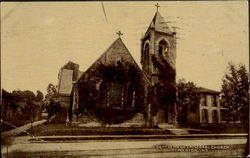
{"x": 37, "y": 38}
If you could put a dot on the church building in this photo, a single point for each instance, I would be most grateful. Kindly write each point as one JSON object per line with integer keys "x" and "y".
{"x": 114, "y": 89}
{"x": 159, "y": 43}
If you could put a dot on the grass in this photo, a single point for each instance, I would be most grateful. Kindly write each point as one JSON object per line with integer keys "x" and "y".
{"x": 219, "y": 129}
{"x": 49, "y": 129}
{"x": 228, "y": 130}
{"x": 62, "y": 130}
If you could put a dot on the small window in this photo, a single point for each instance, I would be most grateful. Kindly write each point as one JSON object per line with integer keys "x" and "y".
{"x": 203, "y": 100}
{"x": 206, "y": 100}
{"x": 118, "y": 62}
{"x": 130, "y": 97}
{"x": 215, "y": 101}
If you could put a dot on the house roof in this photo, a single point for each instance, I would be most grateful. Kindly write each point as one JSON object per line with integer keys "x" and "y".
{"x": 159, "y": 24}
{"x": 205, "y": 90}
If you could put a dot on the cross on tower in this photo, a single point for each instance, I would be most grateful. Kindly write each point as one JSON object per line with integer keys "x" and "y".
{"x": 157, "y": 6}
{"x": 119, "y": 33}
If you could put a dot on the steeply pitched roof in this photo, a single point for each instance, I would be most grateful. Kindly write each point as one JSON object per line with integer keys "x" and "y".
{"x": 159, "y": 24}
{"x": 205, "y": 90}
{"x": 115, "y": 51}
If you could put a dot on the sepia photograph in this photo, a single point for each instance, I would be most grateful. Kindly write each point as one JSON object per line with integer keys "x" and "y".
{"x": 125, "y": 79}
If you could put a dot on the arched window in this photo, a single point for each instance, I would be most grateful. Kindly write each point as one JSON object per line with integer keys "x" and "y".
{"x": 146, "y": 55}
{"x": 103, "y": 97}
{"x": 162, "y": 47}
{"x": 215, "y": 116}
{"x": 204, "y": 116}
{"x": 146, "y": 51}
{"x": 131, "y": 97}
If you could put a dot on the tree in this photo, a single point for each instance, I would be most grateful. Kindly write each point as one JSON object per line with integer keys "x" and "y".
{"x": 235, "y": 97}
{"x": 26, "y": 100}
{"x": 50, "y": 101}
{"x": 28, "y": 95}
{"x": 54, "y": 108}
{"x": 51, "y": 91}
{"x": 51, "y": 94}
{"x": 39, "y": 96}
{"x": 188, "y": 99}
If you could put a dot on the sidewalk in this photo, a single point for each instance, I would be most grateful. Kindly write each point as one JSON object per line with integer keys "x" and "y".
{"x": 179, "y": 148}
{"x": 93, "y": 138}
{"x": 18, "y": 130}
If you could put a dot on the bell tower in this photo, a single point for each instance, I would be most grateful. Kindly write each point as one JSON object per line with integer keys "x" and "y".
{"x": 158, "y": 55}
{"x": 159, "y": 41}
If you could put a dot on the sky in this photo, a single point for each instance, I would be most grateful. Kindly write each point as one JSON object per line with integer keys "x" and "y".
{"x": 38, "y": 38}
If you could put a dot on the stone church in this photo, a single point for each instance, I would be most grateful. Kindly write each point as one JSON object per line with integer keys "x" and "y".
{"x": 115, "y": 90}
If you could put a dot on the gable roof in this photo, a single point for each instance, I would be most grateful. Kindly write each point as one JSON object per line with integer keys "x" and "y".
{"x": 159, "y": 24}
{"x": 116, "y": 50}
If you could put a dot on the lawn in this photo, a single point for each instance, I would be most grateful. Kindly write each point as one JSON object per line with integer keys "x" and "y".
{"x": 228, "y": 130}
{"x": 224, "y": 128}
{"x": 52, "y": 129}
{"x": 62, "y": 130}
